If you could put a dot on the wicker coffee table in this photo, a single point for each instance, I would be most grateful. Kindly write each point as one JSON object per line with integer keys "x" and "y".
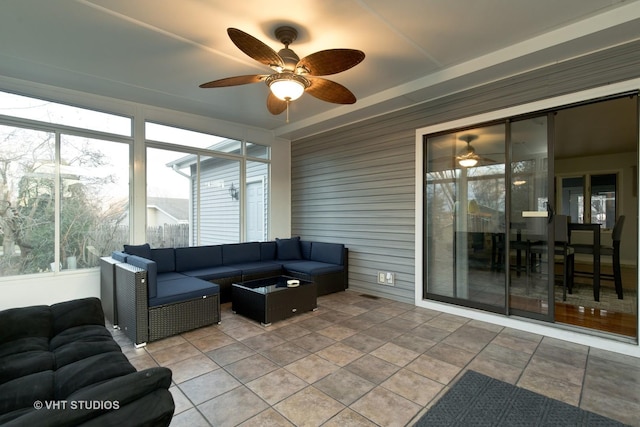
{"x": 271, "y": 299}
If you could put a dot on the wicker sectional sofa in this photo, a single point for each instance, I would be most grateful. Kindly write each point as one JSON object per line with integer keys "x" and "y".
{"x": 166, "y": 291}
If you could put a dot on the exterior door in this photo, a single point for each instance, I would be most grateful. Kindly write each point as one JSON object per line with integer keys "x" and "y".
{"x": 255, "y": 216}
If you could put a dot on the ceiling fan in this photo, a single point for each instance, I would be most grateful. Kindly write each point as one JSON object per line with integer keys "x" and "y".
{"x": 292, "y": 76}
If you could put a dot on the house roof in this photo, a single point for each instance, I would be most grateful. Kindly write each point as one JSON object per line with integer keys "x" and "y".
{"x": 158, "y": 52}
{"x": 176, "y": 208}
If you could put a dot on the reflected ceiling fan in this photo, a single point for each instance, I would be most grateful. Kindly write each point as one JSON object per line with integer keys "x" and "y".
{"x": 291, "y": 75}
{"x": 468, "y": 158}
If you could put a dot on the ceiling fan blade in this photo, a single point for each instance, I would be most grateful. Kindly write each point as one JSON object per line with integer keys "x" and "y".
{"x": 234, "y": 81}
{"x": 275, "y": 105}
{"x": 329, "y": 91}
{"x": 331, "y": 61}
{"x": 255, "y": 48}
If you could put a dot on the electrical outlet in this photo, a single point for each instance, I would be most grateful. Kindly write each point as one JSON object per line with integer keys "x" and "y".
{"x": 382, "y": 277}
{"x": 390, "y": 279}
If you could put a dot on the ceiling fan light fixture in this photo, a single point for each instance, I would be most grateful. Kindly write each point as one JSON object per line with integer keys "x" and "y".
{"x": 468, "y": 162}
{"x": 287, "y": 86}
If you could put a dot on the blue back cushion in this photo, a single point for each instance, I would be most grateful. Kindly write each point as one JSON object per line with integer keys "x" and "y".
{"x": 268, "y": 251}
{"x": 327, "y": 252}
{"x": 197, "y": 257}
{"x": 305, "y": 249}
{"x": 289, "y": 248}
{"x": 139, "y": 250}
{"x": 165, "y": 258}
{"x": 237, "y": 253}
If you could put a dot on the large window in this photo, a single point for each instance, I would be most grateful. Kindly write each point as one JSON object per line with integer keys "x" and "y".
{"x": 64, "y": 198}
{"x": 65, "y": 186}
{"x": 197, "y": 193}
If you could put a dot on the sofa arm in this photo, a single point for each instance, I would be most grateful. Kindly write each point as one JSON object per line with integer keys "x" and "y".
{"x": 79, "y": 312}
{"x": 113, "y": 399}
{"x": 132, "y": 302}
{"x": 151, "y": 268}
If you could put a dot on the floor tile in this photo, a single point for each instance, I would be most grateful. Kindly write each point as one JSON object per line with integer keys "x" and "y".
{"x": 175, "y": 353}
{"x": 189, "y": 418}
{"x": 372, "y": 368}
{"x": 276, "y": 386}
{"x": 250, "y": 368}
{"x": 340, "y": 354}
{"x": 364, "y": 343}
{"x": 408, "y": 384}
{"x": 434, "y": 369}
{"x": 208, "y": 386}
{"x": 312, "y": 368}
{"x": 264, "y": 341}
{"x": 414, "y": 342}
{"x": 350, "y": 418}
{"x": 182, "y": 403}
{"x": 230, "y": 353}
{"x": 285, "y": 354}
{"x": 313, "y": 342}
{"x": 450, "y": 354}
{"x": 386, "y": 408}
{"x": 267, "y": 418}
{"x": 297, "y": 407}
{"x": 344, "y": 386}
{"x": 337, "y": 332}
{"x": 232, "y": 408}
{"x": 395, "y": 354}
{"x": 191, "y": 368}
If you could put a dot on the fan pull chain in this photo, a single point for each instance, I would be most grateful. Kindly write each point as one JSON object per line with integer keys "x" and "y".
{"x": 288, "y": 101}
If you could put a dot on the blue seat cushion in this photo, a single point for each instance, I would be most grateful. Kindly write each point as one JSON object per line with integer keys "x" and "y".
{"x": 169, "y": 276}
{"x": 184, "y": 289}
{"x": 259, "y": 267}
{"x": 213, "y": 273}
{"x": 312, "y": 267}
{"x": 289, "y": 248}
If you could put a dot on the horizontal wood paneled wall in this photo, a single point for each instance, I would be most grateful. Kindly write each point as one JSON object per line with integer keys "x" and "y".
{"x": 355, "y": 185}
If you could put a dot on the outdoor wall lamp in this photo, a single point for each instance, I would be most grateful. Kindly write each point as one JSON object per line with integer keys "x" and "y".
{"x": 234, "y": 192}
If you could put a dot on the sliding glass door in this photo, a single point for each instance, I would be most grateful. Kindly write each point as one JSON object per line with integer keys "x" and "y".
{"x": 465, "y": 217}
{"x": 487, "y": 216}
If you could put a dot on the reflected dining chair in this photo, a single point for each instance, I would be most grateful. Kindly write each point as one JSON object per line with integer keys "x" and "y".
{"x": 612, "y": 250}
{"x": 564, "y": 253}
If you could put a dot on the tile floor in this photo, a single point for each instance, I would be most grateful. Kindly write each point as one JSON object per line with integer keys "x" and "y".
{"x": 359, "y": 361}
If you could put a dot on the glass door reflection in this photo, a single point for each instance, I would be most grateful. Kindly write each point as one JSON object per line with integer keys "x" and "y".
{"x": 465, "y": 217}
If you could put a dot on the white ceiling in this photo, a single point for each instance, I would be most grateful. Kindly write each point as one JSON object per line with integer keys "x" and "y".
{"x": 157, "y": 52}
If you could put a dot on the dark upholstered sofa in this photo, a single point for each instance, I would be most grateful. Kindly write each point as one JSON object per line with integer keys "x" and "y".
{"x": 59, "y": 366}
{"x": 161, "y": 279}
